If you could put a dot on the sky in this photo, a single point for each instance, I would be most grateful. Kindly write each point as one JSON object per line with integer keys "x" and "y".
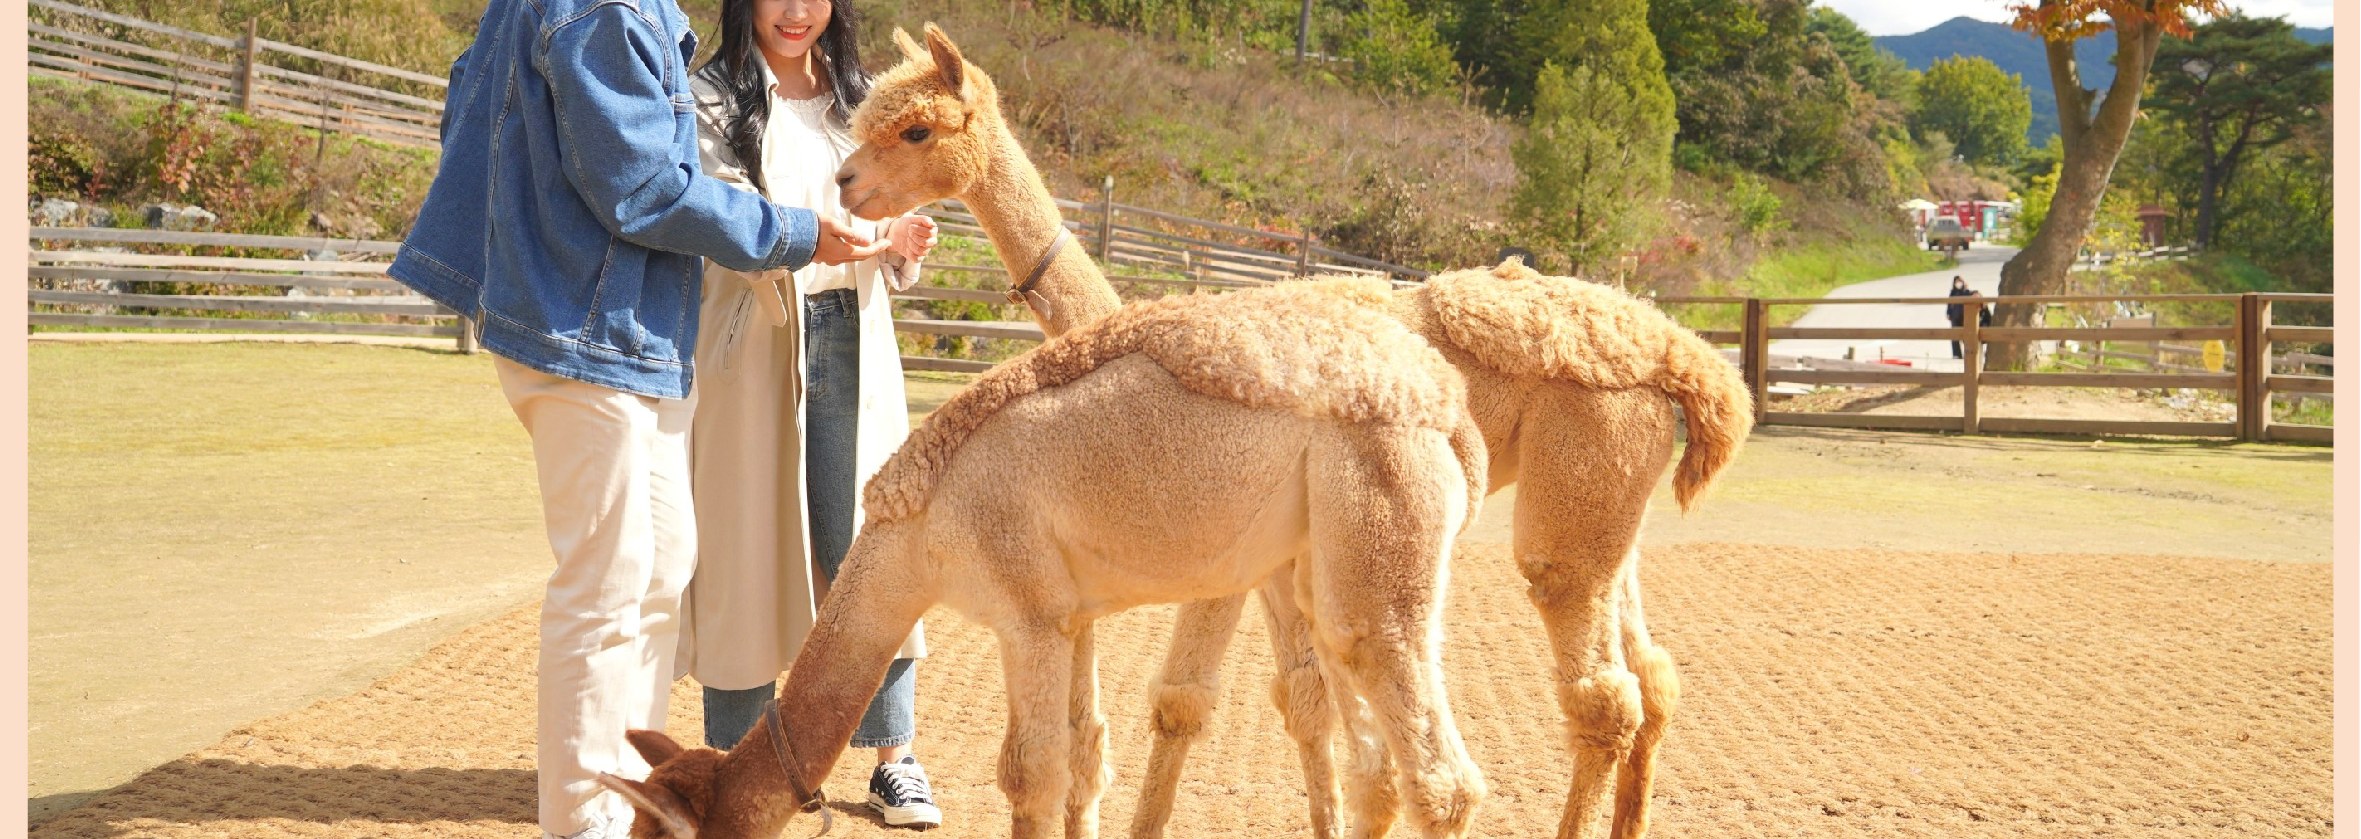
{"x": 1903, "y": 17}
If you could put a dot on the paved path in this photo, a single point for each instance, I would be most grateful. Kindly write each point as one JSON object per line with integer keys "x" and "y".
{"x": 1980, "y": 265}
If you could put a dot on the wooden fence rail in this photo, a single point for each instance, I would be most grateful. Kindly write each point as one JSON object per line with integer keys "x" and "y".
{"x": 253, "y": 74}
{"x": 81, "y": 288}
{"x": 2250, "y": 336}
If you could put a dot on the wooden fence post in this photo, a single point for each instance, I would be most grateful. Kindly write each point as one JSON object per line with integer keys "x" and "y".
{"x": 1106, "y": 218}
{"x": 1971, "y": 346}
{"x": 1303, "y": 254}
{"x": 247, "y": 73}
{"x": 466, "y": 335}
{"x": 2263, "y": 367}
{"x": 1753, "y": 355}
{"x": 2253, "y": 368}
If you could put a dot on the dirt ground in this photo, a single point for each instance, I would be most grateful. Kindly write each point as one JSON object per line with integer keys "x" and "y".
{"x": 1826, "y": 693}
{"x": 363, "y": 542}
{"x": 2071, "y": 403}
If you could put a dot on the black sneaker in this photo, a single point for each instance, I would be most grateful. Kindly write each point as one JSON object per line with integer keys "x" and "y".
{"x": 899, "y": 792}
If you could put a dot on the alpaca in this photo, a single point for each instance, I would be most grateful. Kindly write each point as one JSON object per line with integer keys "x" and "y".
{"x": 1305, "y": 430}
{"x": 1572, "y": 385}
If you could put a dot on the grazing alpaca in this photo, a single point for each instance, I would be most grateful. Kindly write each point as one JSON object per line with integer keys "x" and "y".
{"x": 1571, "y": 383}
{"x": 1173, "y": 450}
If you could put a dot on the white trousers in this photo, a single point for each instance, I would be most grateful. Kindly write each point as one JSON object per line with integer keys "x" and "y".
{"x": 614, "y": 473}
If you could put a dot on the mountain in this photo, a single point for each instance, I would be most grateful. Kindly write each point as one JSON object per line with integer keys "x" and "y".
{"x": 2021, "y": 53}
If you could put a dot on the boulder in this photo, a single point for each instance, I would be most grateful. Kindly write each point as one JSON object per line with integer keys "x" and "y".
{"x": 55, "y": 212}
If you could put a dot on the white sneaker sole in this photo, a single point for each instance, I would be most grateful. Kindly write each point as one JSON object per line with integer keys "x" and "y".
{"x": 920, "y": 816}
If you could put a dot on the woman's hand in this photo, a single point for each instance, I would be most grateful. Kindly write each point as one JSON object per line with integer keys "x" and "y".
{"x": 912, "y": 236}
{"x": 840, "y": 244}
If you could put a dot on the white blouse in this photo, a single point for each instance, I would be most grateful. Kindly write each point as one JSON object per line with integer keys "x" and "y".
{"x": 802, "y": 147}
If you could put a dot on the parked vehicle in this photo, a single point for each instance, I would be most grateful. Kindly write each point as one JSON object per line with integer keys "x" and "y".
{"x": 1947, "y": 235}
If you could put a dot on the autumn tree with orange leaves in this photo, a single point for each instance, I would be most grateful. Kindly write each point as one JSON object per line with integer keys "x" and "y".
{"x": 2092, "y": 126}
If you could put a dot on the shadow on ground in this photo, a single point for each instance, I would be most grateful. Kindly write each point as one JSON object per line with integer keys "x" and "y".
{"x": 234, "y": 791}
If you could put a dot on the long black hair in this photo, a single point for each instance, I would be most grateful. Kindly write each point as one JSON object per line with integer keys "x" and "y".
{"x": 736, "y": 69}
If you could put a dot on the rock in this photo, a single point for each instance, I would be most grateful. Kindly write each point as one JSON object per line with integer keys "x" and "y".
{"x": 322, "y": 255}
{"x": 176, "y": 217}
{"x": 100, "y": 217}
{"x": 55, "y": 212}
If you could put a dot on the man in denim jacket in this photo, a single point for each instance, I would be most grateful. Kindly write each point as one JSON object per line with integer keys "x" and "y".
{"x": 569, "y": 219}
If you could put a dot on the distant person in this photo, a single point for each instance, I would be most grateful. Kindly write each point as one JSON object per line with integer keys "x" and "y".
{"x": 793, "y": 418}
{"x": 567, "y": 219}
{"x": 1957, "y": 312}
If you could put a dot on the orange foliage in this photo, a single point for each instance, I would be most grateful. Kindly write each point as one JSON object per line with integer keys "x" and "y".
{"x": 2069, "y": 20}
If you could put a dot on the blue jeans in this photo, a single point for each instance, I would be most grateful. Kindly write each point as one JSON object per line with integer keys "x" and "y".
{"x": 832, "y": 405}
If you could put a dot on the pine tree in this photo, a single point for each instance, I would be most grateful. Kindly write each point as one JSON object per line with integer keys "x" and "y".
{"x": 1596, "y": 158}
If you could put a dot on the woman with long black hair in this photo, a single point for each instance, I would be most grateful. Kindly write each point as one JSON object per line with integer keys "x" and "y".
{"x": 799, "y": 387}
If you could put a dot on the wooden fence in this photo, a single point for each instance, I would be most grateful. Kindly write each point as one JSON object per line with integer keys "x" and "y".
{"x": 350, "y": 295}
{"x": 1139, "y": 244}
{"x": 2251, "y": 334}
{"x": 253, "y": 74}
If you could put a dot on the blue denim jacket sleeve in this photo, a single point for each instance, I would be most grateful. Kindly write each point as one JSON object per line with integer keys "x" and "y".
{"x": 615, "y": 126}
{"x": 458, "y": 70}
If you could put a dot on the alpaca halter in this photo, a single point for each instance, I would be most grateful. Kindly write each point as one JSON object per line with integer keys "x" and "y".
{"x": 814, "y": 802}
{"x": 1024, "y": 293}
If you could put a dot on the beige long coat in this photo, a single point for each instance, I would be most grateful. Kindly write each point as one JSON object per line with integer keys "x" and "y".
{"x": 757, "y": 587}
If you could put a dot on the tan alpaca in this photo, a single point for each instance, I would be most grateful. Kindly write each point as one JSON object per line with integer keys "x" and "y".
{"x": 1571, "y": 383}
{"x": 1173, "y": 450}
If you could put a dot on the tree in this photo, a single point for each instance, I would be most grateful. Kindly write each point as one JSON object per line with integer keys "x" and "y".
{"x": 1983, "y": 109}
{"x": 2236, "y": 86}
{"x": 1596, "y": 159}
{"x": 1396, "y": 49}
{"x": 1755, "y": 87}
{"x": 1882, "y": 73}
{"x": 2091, "y": 128}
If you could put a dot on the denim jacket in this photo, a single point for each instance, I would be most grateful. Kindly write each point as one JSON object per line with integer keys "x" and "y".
{"x": 570, "y": 212}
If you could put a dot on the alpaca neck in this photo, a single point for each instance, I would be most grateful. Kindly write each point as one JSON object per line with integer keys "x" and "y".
{"x": 861, "y": 625}
{"x": 1022, "y": 220}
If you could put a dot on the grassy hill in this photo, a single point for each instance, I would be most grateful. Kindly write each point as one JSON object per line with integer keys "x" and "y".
{"x": 1204, "y": 127}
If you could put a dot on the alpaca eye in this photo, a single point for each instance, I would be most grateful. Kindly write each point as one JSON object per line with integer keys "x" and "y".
{"x": 915, "y": 134}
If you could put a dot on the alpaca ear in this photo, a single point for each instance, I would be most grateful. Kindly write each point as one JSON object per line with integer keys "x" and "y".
{"x": 656, "y": 746}
{"x": 655, "y": 800}
{"x": 947, "y": 60}
{"x": 910, "y": 48}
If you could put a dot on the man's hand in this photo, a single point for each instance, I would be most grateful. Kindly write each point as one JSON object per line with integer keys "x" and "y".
{"x": 912, "y": 236}
{"x": 839, "y": 244}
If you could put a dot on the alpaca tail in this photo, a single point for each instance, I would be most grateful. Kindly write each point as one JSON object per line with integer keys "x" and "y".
{"x": 1467, "y": 442}
{"x": 1719, "y": 409}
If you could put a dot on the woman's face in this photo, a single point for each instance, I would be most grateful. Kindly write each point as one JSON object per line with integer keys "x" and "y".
{"x": 1958, "y": 283}
{"x": 787, "y": 29}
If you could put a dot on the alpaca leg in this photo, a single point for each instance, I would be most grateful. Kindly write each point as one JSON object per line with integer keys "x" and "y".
{"x": 1391, "y": 698}
{"x": 1302, "y": 697}
{"x": 1184, "y": 694}
{"x": 1582, "y": 492}
{"x": 1385, "y": 505}
{"x": 1089, "y": 727}
{"x": 1034, "y": 755}
{"x": 1660, "y": 693}
{"x": 1369, "y": 771}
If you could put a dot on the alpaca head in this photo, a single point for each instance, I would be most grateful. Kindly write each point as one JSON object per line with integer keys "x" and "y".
{"x": 927, "y": 131}
{"x": 678, "y": 794}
